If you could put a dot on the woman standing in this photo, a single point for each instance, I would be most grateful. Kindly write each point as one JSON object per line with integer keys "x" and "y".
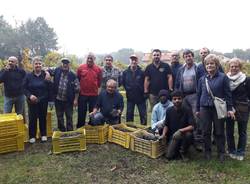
{"x": 37, "y": 91}
{"x": 219, "y": 85}
{"x": 240, "y": 87}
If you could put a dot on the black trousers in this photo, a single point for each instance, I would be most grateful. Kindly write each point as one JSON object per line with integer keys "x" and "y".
{"x": 209, "y": 116}
{"x": 61, "y": 108}
{"x": 142, "y": 112}
{"x": 37, "y": 111}
{"x": 85, "y": 103}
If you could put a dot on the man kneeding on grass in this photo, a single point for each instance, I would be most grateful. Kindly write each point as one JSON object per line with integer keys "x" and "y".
{"x": 178, "y": 128}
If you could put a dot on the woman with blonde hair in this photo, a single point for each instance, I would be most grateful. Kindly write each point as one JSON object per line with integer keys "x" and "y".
{"x": 240, "y": 88}
{"x": 219, "y": 85}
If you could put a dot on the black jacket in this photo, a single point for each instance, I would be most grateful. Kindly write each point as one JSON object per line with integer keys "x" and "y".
{"x": 133, "y": 83}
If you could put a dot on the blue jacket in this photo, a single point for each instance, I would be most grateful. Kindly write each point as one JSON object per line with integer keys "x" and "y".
{"x": 70, "y": 86}
{"x": 38, "y": 86}
{"x": 159, "y": 112}
{"x": 13, "y": 80}
{"x": 179, "y": 78}
{"x": 175, "y": 68}
{"x": 133, "y": 83}
{"x": 219, "y": 85}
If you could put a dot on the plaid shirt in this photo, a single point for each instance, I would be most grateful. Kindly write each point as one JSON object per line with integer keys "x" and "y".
{"x": 110, "y": 73}
{"x": 62, "y": 88}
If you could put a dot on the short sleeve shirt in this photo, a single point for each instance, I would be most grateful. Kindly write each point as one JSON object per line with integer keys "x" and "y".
{"x": 177, "y": 119}
{"x": 158, "y": 77}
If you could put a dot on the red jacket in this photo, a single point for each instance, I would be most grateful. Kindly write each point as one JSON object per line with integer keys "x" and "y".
{"x": 90, "y": 79}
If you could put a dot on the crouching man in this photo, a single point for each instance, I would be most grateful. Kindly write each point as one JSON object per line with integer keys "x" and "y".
{"x": 159, "y": 111}
{"x": 109, "y": 104}
{"x": 178, "y": 128}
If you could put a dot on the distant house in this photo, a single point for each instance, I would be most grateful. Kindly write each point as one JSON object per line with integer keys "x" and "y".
{"x": 165, "y": 57}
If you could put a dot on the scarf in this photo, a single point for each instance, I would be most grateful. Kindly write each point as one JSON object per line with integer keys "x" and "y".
{"x": 236, "y": 80}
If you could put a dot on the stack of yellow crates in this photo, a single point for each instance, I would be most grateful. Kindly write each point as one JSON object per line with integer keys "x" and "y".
{"x": 11, "y": 133}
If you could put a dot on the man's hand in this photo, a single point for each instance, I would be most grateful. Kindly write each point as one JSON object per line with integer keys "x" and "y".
{"x": 33, "y": 99}
{"x": 7, "y": 67}
{"x": 177, "y": 134}
{"x": 231, "y": 115}
{"x": 75, "y": 103}
{"x": 47, "y": 76}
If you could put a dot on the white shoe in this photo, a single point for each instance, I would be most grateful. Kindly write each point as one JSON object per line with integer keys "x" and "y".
{"x": 32, "y": 140}
{"x": 44, "y": 139}
{"x": 233, "y": 156}
{"x": 239, "y": 157}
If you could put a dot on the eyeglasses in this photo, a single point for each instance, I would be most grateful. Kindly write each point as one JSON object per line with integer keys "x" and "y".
{"x": 204, "y": 53}
{"x": 108, "y": 59}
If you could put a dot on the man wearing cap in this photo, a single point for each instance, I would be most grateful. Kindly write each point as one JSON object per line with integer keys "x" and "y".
{"x": 110, "y": 72}
{"x": 13, "y": 78}
{"x": 66, "y": 92}
{"x": 158, "y": 75}
{"x": 159, "y": 111}
{"x": 90, "y": 76}
{"x": 133, "y": 81}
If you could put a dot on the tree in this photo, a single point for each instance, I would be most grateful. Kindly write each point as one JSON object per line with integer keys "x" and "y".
{"x": 37, "y": 36}
{"x": 8, "y": 41}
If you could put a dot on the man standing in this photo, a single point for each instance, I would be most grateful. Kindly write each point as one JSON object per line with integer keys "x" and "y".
{"x": 110, "y": 72}
{"x": 90, "y": 76}
{"x": 13, "y": 79}
{"x": 66, "y": 92}
{"x": 175, "y": 64}
{"x": 109, "y": 104}
{"x": 178, "y": 128}
{"x": 158, "y": 76}
{"x": 133, "y": 81}
{"x": 186, "y": 80}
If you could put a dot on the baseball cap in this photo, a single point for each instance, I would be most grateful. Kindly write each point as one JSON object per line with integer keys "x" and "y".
{"x": 65, "y": 60}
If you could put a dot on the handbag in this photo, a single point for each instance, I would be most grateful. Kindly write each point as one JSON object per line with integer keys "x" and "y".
{"x": 220, "y": 104}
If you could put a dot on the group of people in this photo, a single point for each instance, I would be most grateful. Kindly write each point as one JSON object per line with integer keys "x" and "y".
{"x": 181, "y": 104}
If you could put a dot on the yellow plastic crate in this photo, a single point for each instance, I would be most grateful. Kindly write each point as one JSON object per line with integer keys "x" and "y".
{"x": 11, "y": 125}
{"x": 96, "y": 134}
{"x": 12, "y": 144}
{"x": 69, "y": 141}
{"x": 151, "y": 148}
{"x": 120, "y": 137}
{"x": 48, "y": 126}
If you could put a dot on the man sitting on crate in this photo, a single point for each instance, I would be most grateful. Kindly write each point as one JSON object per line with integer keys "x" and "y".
{"x": 109, "y": 106}
{"x": 178, "y": 128}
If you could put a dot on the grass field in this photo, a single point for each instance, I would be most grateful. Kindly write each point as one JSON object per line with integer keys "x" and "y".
{"x": 110, "y": 163}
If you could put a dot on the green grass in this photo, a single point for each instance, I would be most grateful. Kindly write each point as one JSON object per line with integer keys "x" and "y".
{"x": 110, "y": 163}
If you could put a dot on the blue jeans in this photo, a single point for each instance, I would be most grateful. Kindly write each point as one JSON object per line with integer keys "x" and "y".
{"x": 242, "y": 132}
{"x": 17, "y": 101}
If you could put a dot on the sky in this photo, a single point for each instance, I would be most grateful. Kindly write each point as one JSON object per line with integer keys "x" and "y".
{"x": 104, "y": 26}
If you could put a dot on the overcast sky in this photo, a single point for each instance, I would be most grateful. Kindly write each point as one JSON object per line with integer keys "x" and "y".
{"x": 103, "y": 26}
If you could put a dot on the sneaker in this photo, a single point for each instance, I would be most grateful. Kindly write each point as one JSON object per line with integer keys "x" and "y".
{"x": 232, "y": 155}
{"x": 32, "y": 140}
{"x": 240, "y": 157}
{"x": 44, "y": 139}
